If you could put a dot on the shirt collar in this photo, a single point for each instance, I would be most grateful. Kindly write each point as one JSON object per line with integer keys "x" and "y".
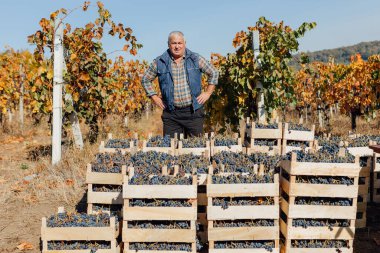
{"x": 172, "y": 58}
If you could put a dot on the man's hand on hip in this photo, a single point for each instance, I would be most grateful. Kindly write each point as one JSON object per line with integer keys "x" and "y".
{"x": 203, "y": 97}
{"x": 158, "y": 101}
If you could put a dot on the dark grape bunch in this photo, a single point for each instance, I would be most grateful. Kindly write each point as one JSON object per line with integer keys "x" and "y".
{"x": 151, "y": 162}
{"x": 78, "y": 245}
{"x": 297, "y": 127}
{"x": 225, "y": 141}
{"x": 120, "y": 143}
{"x": 159, "y": 141}
{"x": 160, "y": 246}
{"x": 242, "y": 201}
{"x": 333, "y": 140}
{"x": 265, "y": 142}
{"x": 268, "y": 245}
{"x": 243, "y": 223}
{"x": 242, "y": 179}
{"x": 320, "y": 244}
{"x": 330, "y": 223}
{"x": 187, "y": 162}
{"x": 103, "y": 168}
{"x": 363, "y": 141}
{"x": 79, "y": 220}
{"x": 325, "y": 180}
{"x": 160, "y": 180}
{"x": 107, "y": 188}
{"x": 110, "y": 162}
{"x": 234, "y": 162}
{"x": 298, "y": 144}
{"x": 159, "y": 224}
{"x": 320, "y": 156}
{"x": 160, "y": 203}
{"x": 116, "y": 158}
{"x": 266, "y": 126}
{"x": 271, "y": 163}
{"x": 194, "y": 142}
{"x": 323, "y": 201}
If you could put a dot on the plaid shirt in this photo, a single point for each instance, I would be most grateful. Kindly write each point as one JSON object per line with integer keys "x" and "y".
{"x": 182, "y": 94}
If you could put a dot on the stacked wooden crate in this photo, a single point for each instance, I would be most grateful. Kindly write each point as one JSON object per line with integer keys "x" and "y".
{"x": 263, "y": 138}
{"x": 96, "y": 200}
{"x": 72, "y": 236}
{"x": 296, "y": 208}
{"x": 301, "y": 136}
{"x": 135, "y": 236}
{"x": 376, "y": 178}
{"x": 105, "y": 185}
{"x": 364, "y": 180}
{"x": 366, "y": 155}
{"x": 253, "y": 235}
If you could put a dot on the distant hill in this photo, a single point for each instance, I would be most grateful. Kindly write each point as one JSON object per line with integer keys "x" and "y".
{"x": 343, "y": 54}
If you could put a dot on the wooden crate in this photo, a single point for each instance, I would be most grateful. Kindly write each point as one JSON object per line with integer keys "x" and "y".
{"x": 127, "y": 250}
{"x": 233, "y": 148}
{"x": 296, "y": 135}
{"x": 103, "y": 197}
{"x": 270, "y": 150}
{"x": 364, "y": 181}
{"x": 169, "y": 150}
{"x": 159, "y": 192}
{"x": 286, "y": 249}
{"x": 376, "y": 187}
{"x": 360, "y": 151}
{"x": 216, "y": 213}
{"x": 202, "y": 211}
{"x": 376, "y": 165}
{"x": 292, "y": 211}
{"x": 132, "y": 147}
{"x": 110, "y": 234}
{"x": 252, "y": 132}
{"x": 187, "y": 192}
{"x": 205, "y": 151}
{"x": 93, "y": 177}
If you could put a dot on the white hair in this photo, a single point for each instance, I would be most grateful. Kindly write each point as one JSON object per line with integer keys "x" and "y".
{"x": 175, "y": 33}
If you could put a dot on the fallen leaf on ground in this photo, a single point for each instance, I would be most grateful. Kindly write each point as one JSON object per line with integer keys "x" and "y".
{"x": 25, "y": 246}
{"x": 69, "y": 182}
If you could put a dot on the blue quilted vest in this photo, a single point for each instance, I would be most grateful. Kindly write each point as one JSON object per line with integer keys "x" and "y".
{"x": 165, "y": 79}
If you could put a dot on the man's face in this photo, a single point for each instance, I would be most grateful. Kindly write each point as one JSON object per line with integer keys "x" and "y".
{"x": 177, "y": 46}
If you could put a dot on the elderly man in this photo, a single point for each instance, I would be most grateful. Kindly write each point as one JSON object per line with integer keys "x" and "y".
{"x": 179, "y": 73}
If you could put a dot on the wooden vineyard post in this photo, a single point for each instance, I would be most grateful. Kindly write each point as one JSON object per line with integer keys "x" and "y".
{"x": 260, "y": 98}
{"x": 57, "y": 92}
{"x": 21, "y": 99}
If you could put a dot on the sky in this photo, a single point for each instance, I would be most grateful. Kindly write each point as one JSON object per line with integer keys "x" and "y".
{"x": 209, "y": 25}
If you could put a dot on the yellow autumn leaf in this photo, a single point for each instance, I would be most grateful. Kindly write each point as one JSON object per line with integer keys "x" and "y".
{"x": 84, "y": 77}
{"x": 73, "y": 57}
{"x": 50, "y": 74}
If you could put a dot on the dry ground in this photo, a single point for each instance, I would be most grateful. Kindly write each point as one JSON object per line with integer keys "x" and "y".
{"x": 32, "y": 188}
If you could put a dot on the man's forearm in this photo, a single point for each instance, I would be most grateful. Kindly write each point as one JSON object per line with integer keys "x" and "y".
{"x": 210, "y": 88}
